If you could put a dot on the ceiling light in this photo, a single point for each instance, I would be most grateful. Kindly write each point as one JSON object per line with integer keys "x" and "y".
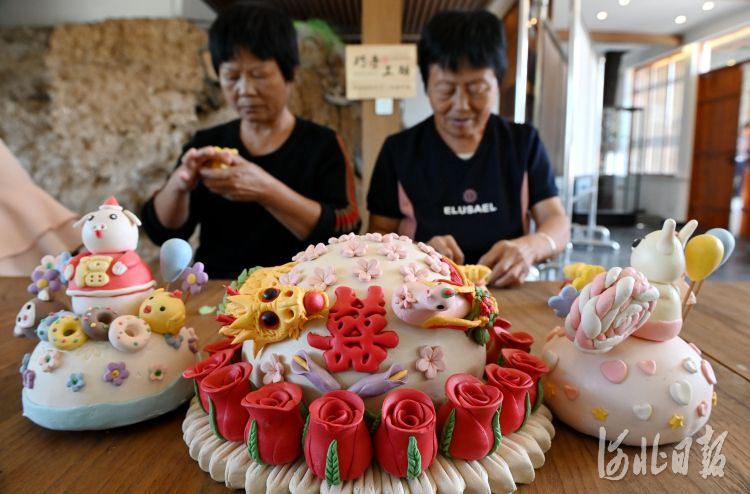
{"x": 680, "y": 19}
{"x": 601, "y": 15}
{"x": 707, "y": 5}
{"x": 532, "y": 22}
{"x": 731, "y": 62}
{"x": 623, "y": 3}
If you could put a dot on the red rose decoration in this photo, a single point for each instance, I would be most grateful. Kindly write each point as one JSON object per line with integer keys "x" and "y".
{"x": 406, "y": 413}
{"x": 199, "y": 371}
{"x": 337, "y": 416}
{"x": 225, "y": 388}
{"x": 274, "y": 408}
{"x": 501, "y": 338}
{"x": 525, "y": 362}
{"x": 514, "y": 385}
{"x": 225, "y": 344}
{"x": 468, "y": 434}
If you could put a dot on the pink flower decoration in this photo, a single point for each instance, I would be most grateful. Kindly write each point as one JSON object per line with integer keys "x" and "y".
{"x": 393, "y": 252}
{"x": 272, "y": 369}
{"x": 427, "y": 249}
{"x": 354, "y": 248}
{"x": 413, "y": 272}
{"x": 333, "y": 240}
{"x": 389, "y": 237}
{"x": 405, "y": 298}
{"x": 406, "y": 239}
{"x": 293, "y": 277}
{"x": 431, "y": 361}
{"x": 156, "y": 372}
{"x": 323, "y": 278}
{"x": 50, "y": 360}
{"x": 367, "y": 270}
{"x": 346, "y": 237}
{"x": 311, "y": 253}
{"x": 437, "y": 265}
{"x": 374, "y": 237}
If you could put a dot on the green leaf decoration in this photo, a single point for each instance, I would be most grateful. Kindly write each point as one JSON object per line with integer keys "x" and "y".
{"x": 244, "y": 275}
{"x": 303, "y": 410}
{"x": 414, "y": 465}
{"x": 333, "y": 476}
{"x": 447, "y": 435}
{"x": 496, "y": 431}
{"x": 304, "y": 430}
{"x": 528, "y": 410}
{"x": 373, "y": 421}
{"x": 501, "y": 360}
{"x": 539, "y": 395}
{"x": 252, "y": 443}
{"x": 198, "y": 395}
{"x": 212, "y": 419}
{"x": 480, "y": 335}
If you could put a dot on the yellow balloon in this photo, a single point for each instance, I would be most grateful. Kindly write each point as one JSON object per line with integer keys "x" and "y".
{"x": 703, "y": 255}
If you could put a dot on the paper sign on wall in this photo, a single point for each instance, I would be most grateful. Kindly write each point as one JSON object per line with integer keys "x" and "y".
{"x": 381, "y": 71}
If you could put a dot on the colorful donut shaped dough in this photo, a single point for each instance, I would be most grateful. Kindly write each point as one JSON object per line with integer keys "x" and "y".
{"x": 96, "y": 321}
{"x": 66, "y": 333}
{"x": 129, "y": 333}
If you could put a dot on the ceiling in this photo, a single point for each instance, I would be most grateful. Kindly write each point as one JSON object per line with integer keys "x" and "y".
{"x": 649, "y": 16}
{"x": 344, "y": 15}
{"x": 636, "y": 26}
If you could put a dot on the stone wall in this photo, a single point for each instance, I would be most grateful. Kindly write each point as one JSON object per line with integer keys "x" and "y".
{"x": 98, "y": 109}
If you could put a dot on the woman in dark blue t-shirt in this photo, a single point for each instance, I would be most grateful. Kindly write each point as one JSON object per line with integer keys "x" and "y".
{"x": 464, "y": 180}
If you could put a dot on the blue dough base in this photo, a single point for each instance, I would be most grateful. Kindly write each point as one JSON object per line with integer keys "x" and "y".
{"x": 108, "y": 415}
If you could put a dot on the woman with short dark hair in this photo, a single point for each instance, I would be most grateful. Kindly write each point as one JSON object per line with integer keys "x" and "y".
{"x": 464, "y": 180}
{"x": 289, "y": 184}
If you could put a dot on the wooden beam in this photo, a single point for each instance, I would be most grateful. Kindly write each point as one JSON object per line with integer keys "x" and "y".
{"x": 381, "y": 24}
{"x": 624, "y": 37}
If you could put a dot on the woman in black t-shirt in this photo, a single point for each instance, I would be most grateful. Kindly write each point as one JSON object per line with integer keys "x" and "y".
{"x": 464, "y": 180}
{"x": 290, "y": 183}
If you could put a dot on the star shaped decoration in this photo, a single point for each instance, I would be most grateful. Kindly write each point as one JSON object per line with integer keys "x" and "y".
{"x": 562, "y": 302}
{"x": 677, "y": 421}
{"x": 600, "y": 414}
{"x": 714, "y": 399}
{"x": 550, "y": 390}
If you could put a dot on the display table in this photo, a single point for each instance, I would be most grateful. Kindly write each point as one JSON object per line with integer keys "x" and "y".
{"x": 151, "y": 456}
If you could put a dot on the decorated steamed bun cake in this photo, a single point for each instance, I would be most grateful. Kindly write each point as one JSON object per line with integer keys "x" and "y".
{"x": 618, "y": 362}
{"x": 117, "y": 357}
{"x": 367, "y": 361}
{"x": 367, "y": 313}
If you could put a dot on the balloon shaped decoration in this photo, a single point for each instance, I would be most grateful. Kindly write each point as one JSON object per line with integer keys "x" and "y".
{"x": 703, "y": 255}
{"x": 726, "y": 239}
{"x": 174, "y": 257}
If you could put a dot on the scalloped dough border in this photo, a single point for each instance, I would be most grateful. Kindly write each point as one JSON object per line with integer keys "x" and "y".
{"x": 513, "y": 463}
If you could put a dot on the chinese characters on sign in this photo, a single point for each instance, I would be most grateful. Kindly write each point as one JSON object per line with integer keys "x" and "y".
{"x": 381, "y": 71}
{"x": 617, "y": 467}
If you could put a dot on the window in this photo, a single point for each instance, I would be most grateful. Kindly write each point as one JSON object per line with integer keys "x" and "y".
{"x": 659, "y": 88}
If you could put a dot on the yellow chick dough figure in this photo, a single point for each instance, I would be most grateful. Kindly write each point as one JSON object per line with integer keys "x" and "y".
{"x": 164, "y": 311}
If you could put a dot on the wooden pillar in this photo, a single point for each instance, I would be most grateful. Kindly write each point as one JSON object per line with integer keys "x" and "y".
{"x": 381, "y": 24}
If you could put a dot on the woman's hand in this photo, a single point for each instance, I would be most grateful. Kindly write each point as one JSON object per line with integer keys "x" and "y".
{"x": 510, "y": 261}
{"x": 242, "y": 181}
{"x": 447, "y": 246}
{"x": 186, "y": 176}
